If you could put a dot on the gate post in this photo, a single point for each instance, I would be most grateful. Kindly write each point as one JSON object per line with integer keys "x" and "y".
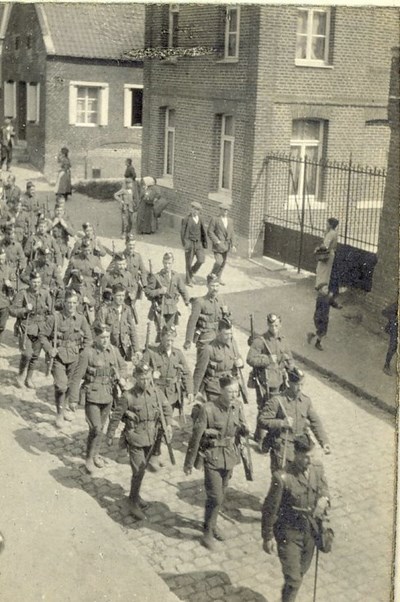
{"x": 348, "y": 200}
{"x": 303, "y": 210}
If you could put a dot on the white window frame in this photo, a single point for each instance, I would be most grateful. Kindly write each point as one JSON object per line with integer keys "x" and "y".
{"x": 10, "y": 99}
{"x": 173, "y": 9}
{"x": 169, "y": 130}
{"x": 32, "y": 92}
{"x": 308, "y": 61}
{"x": 226, "y": 139}
{"x": 128, "y": 104}
{"x": 228, "y": 33}
{"x": 103, "y": 102}
{"x": 306, "y": 143}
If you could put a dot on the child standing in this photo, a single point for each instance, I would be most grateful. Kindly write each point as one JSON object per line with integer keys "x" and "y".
{"x": 321, "y": 315}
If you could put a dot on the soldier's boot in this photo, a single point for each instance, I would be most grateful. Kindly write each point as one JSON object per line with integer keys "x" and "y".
{"x": 289, "y": 593}
{"x": 22, "y": 370}
{"x": 60, "y": 406}
{"x": 210, "y": 521}
{"x": 28, "y": 381}
{"x": 208, "y": 539}
{"x": 218, "y": 534}
{"x": 68, "y": 413}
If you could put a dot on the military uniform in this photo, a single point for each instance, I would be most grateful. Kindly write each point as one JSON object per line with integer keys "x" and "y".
{"x": 45, "y": 241}
{"x": 31, "y": 325}
{"x": 95, "y": 247}
{"x": 101, "y": 369}
{"x": 84, "y": 273}
{"x": 61, "y": 234}
{"x": 122, "y": 327}
{"x": 273, "y": 419}
{"x": 20, "y": 222}
{"x": 12, "y": 194}
{"x": 135, "y": 266}
{"x": 215, "y": 360}
{"x": 286, "y": 514}
{"x": 73, "y": 335}
{"x": 6, "y": 295}
{"x": 49, "y": 272}
{"x": 164, "y": 307}
{"x": 124, "y": 278}
{"x": 203, "y": 321}
{"x": 173, "y": 373}
{"x": 139, "y": 409}
{"x": 14, "y": 254}
{"x": 219, "y": 449}
{"x": 30, "y": 203}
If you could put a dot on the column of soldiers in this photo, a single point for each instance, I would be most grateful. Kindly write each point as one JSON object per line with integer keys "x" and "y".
{"x": 86, "y": 323}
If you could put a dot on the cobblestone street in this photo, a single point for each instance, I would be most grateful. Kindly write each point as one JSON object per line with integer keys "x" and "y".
{"x": 360, "y": 473}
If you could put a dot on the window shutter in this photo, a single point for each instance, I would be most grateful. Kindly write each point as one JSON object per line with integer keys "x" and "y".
{"x": 14, "y": 97}
{"x": 73, "y": 99}
{"x": 164, "y": 26}
{"x": 127, "y": 107}
{"x": 103, "y": 106}
{"x": 37, "y": 103}
{"x": 221, "y": 28}
{"x": 9, "y": 99}
{"x": 31, "y": 100}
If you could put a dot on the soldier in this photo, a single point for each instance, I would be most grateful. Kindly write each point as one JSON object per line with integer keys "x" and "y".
{"x": 14, "y": 252}
{"x": 118, "y": 274}
{"x": 215, "y": 360}
{"x": 12, "y": 191}
{"x": 119, "y": 319}
{"x": 206, "y": 313}
{"x": 95, "y": 246}
{"x": 220, "y": 231}
{"x": 297, "y": 499}
{"x": 194, "y": 241}
{"x": 214, "y": 432}
{"x": 32, "y": 308}
{"x": 61, "y": 231}
{"x": 103, "y": 368}
{"x": 50, "y": 273}
{"x": 7, "y": 290}
{"x": 287, "y": 415}
{"x": 270, "y": 358}
{"x": 29, "y": 200}
{"x": 139, "y": 408}
{"x": 68, "y": 334}
{"x": 163, "y": 290}
{"x": 18, "y": 218}
{"x": 135, "y": 265}
{"x": 84, "y": 272}
{"x": 41, "y": 238}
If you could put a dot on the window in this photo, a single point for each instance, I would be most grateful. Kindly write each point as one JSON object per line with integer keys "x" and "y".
{"x": 226, "y": 154}
{"x": 173, "y": 26}
{"x": 312, "y": 45}
{"x": 133, "y": 103}
{"x": 232, "y": 28}
{"x": 10, "y": 99}
{"x": 88, "y": 104}
{"x": 169, "y": 144}
{"x": 17, "y": 42}
{"x": 29, "y": 41}
{"x": 306, "y": 143}
{"x": 32, "y": 102}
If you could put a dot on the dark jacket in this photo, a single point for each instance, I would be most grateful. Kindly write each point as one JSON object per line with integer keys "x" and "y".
{"x": 222, "y": 238}
{"x": 193, "y": 233}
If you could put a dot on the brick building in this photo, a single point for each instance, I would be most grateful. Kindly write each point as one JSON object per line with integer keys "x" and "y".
{"x": 66, "y": 82}
{"x": 227, "y": 85}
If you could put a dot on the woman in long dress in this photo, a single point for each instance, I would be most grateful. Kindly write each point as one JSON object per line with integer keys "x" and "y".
{"x": 324, "y": 267}
{"x": 63, "y": 184}
{"x": 149, "y": 194}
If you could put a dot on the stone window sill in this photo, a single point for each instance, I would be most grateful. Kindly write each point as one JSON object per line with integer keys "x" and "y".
{"x": 220, "y": 197}
{"x": 166, "y": 182}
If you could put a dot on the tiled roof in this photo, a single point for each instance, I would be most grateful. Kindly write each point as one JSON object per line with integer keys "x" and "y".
{"x": 91, "y": 30}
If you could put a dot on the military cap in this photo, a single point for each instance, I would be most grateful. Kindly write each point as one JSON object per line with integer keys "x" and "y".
{"x": 9, "y": 228}
{"x": 168, "y": 330}
{"x": 69, "y": 293}
{"x": 118, "y": 288}
{"x": 130, "y": 238}
{"x": 295, "y": 375}
{"x": 85, "y": 243}
{"x": 119, "y": 257}
{"x": 101, "y": 328}
{"x": 303, "y": 443}
{"x": 34, "y": 274}
{"x": 41, "y": 218}
{"x": 212, "y": 278}
{"x": 227, "y": 381}
{"x": 107, "y": 294}
{"x": 272, "y": 318}
{"x": 168, "y": 255}
{"x": 86, "y": 225}
{"x": 29, "y": 184}
{"x": 196, "y": 205}
{"x": 142, "y": 368}
{"x": 224, "y": 324}
{"x": 43, "y": 250}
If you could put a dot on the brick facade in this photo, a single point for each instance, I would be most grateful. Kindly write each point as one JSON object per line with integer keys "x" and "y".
{"x": 264, "y": 90}
{"x": 100, "y": 147}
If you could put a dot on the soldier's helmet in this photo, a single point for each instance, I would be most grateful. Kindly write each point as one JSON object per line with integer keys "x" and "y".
{"x": 303, "y": 443}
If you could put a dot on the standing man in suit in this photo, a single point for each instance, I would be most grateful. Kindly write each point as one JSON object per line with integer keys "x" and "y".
{"x": 222, "y": 236}
{"x": 194, "y": 241}
{"x": 7, "y": 143}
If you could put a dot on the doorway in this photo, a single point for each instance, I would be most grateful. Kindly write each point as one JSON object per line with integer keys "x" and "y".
{"x": 21, "y": 110}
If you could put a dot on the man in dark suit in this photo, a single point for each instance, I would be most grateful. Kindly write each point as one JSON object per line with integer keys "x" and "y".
{"x": 7, "y": 143}
{"x": 221, "y": 235}
{"x": 194, "y": 241}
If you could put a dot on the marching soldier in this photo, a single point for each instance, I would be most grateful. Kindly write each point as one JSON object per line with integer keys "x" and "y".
{"x": 286, "y": 416}
{"x": 215, "y": 360}
{"x": 297, "y": 499}
{"x": 135, "y": 265}
{"x": 270, "y": 359}
{"x": 94, "y": 244}
{"x": 32, "y": 308}
{"x": 7, "y": 290}
{"x": 140, "y": 409}
{"x": 42, "y": 239}
{"x": 117, "y": 274}
{"x": 50, "y": 273}
{"x": 61, "y": 231}
{"x": 84, "y": 272}
{"x": 194, "y": 241}
{"x": 102, "y": 367}
{"x": 68, "y": 334}
{"x": 14, "y": 252}
{"x": 29, "y": 200}
{"x": 163, "y": 290}
{"x": 206, "y": 313}
{"x": 17, "y": 217}
{"x": 12, "y": 191}
{"x": 118, "y": 318}
{"x": 215, "y": 429}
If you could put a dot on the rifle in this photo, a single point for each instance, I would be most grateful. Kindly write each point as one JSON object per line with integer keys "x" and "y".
{"x": 113, "y": 248}
{"x": 245, "y": 455}
{"x": 164, "y": 429}
{"x": 147, "y": 340}
{"x": 157, "y": 309}
{"x": 242, "y": 384}
{"x": 17, "y": 266}
{"x": 51, "y": 360}
{"x": 181, "y": 400}
{"x": 25, "y": 337}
